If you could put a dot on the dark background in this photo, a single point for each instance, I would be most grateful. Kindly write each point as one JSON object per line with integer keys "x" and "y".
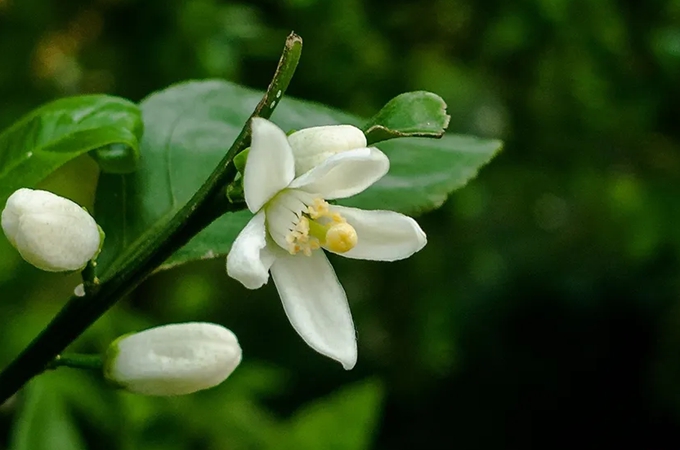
{"x": 544, "y": 311}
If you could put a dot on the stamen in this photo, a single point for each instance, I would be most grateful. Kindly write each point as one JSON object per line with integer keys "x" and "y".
{"x": 318, "y": 209}
{"x": 298, "y": 239}
{"x": 317, "y": 226}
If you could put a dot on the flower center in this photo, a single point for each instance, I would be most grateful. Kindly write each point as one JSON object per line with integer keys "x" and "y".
{"x": 317, "y": 226}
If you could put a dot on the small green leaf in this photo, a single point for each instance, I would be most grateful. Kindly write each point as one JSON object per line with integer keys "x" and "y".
{"x": 345, "y": 420}
{"x": 44, "y": 423}
{"x": 50, "y": 136}
{"x": 412, "y": 114}
{"x": 190, "y": 126}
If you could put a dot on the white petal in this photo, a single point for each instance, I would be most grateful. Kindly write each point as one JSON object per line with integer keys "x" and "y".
{"x": 270, "y": 166}
{"x": 344, "y": 174}
{"x": 312, "y": 146}
{"x": 249, "y": 259}
{"x": 382, "y": 235}
{"x": 283, "y": 213}
{"x": 316, "y": 305}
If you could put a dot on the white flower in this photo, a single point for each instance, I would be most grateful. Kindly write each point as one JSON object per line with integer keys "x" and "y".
{"x": 173, "y": 359}
{"x": 293, "y": 221}
{"x": 51, "y": 232}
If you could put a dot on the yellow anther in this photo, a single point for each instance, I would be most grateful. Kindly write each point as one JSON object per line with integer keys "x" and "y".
{"x": 298, "y": 239}
{"x": 338, "y": 218}
{"x": 341, "y": 237}
{"x": 318, "y": 209}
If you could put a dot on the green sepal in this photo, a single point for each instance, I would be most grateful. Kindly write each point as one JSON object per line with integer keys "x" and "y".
{"x": 240, "y": 160}
{"x": 109, "y": 359}
{"x": 235, "y": 192}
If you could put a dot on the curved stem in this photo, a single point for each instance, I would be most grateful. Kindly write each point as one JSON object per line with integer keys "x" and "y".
{"x": 209, "y": 203}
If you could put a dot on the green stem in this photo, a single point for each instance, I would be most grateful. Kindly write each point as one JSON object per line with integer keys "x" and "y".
{"x": 77, "y": 361}
{"x": 209, "y": 203}
{"x": 90, "y": 280}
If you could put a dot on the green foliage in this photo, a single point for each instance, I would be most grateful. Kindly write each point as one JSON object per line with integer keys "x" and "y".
{"x": 232, "y": 415}
{"x": 45, "y": 139}
{"x": 411, "y": 114}
{"x": 423, "y": 172}
{"x": 345, "y": 420}
{"x": 188, "y": 128}
{"x": 44, "y": 422}
{"x": 549, "y": 283}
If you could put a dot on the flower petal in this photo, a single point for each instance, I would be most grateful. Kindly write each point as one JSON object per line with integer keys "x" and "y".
{"x": 316, "y": 305}
{"x": 382, "y": 235}
{"x": 311, "y": 146}
{"x": 344, "y": 174}
{"x": 270, "y": 166}
{"x": 249, "y": 259}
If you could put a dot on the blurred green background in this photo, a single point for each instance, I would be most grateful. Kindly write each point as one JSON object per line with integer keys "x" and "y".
{"x": 544, "y": 311}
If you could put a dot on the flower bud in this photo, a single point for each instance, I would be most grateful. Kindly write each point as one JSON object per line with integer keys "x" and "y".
{"x": 173, "y": 359}
{"x": 50, "y": 232}
{"x": 312, "y": 146}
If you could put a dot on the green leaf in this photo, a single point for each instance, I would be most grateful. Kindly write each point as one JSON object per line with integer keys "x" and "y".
{"x": 411, "y": 114}
{"x": 345, "y": 420}
{"x": 213, "y": 242}
{"x": 44, "y": 140}
{"x": 423, "y": 172}
{"x": 44, "y": 422}
{"x": 189, "y": 127}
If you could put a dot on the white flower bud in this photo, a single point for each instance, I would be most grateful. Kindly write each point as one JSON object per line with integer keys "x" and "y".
{"x": 173, "y": 359}
{"x": 312, "y": 146}
{"x": 51, "y": 232}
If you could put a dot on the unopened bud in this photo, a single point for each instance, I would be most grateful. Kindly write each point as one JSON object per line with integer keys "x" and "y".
{"x": 173, "y": 359}
{"x": 51, "y": 232}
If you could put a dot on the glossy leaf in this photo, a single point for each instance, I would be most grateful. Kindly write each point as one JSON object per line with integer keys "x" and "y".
{"x": 411, "y": 114}
{"x": 423, "y": 172}
{"x": 44, "y": 140}
{"x": 189, "y": 127}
